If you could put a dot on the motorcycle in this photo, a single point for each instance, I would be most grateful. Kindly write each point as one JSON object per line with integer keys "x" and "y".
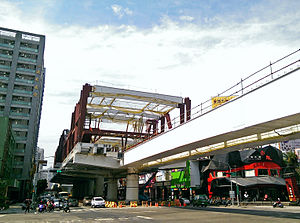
{"x": 66, "y": 207}
{"x": 50, "y": 208}
{"x": 41, "y": 208}
{"x": 277, "y": 204}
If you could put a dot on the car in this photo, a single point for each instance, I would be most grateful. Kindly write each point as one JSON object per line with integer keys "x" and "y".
{"x": 86, "y": 201}
{"x": 73, "y": 202}
{"x": 97, "y": 202}
{"x": 58, "y": 203}
{"x": 184, "y": 201}
{"x": 200, "y": 200}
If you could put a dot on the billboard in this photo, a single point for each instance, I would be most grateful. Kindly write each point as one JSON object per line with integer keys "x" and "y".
{"x": 216, "y": 101}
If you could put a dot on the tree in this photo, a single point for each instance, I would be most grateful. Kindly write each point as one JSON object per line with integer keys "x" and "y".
{"x": 290, "y": 159}
{"x": 41, "y": 186}
{"x": 3, "y": 191}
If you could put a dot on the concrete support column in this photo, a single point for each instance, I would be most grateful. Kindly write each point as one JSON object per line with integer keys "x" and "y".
{"x": 99, "y": 186}
{"x": 132, "y": 185}
{"x": 76, "y": 190}
{"x": 91, "y": 186}
{"x": 112, "y": 190}
{"x": 85, "y": 188}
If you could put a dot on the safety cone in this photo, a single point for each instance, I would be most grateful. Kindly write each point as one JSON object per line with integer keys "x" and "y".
{"x": 120, "y": 205}
{"x": 150, "y": 204}
{"x": 169, "y": 204}
{"x": 179, "y": 204}
{"x": 184, "y": 204}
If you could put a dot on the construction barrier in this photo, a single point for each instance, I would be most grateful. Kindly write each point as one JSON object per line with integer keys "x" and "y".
{"x": 133, "y": 203}
{"x": 121, "y": 204}
{"x": 110, "y": 204}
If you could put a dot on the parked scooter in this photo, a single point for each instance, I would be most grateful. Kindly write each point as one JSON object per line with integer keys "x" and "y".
{"x": 277, "y": 204}
{"x": 50, "y": 207}
{"x": 41, "y": 208}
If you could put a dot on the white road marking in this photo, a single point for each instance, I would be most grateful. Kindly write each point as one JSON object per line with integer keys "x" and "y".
{"x": 104, "y": 219}
{"x": 123, "y": 219}
{"x": 144, "y": 217}
{"x": 2, "y": 215}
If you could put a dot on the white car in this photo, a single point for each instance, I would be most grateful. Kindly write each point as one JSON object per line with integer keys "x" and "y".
{"x": 58, "y": 203}
{"x": 97, "y": 202}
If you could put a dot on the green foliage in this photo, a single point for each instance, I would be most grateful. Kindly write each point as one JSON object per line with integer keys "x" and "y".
{"x": 3, "y": 189}
{"x": 290, "y": 159}
{"x": 41, "y": 186}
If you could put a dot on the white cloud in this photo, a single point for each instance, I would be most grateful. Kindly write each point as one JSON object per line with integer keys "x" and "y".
{"x": 190, "y": 60}
{"x": 120, "y": 12}
{"x": 186, "y": 18}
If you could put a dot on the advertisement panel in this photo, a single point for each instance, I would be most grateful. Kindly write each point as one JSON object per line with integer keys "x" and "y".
{"x": 217, "y": 101}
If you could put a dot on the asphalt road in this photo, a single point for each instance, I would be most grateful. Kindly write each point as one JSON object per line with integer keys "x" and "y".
{"x": 162, "y": 214}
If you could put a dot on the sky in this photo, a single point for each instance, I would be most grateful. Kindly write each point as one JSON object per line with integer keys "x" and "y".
{"x": 194, "y": 48}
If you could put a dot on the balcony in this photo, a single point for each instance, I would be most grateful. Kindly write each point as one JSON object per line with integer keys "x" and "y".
{"x": 4, "y": 78}
{"x": 2, "y": 101}
{"x": 19, "y": 114}
{"x": 25, "y": 70}
{"x": 5, "y": 56}
{"x": 7, "y": 45}
{"x": 20, "y": 151}
{"x": 29, "y": 49}
{"x": 27, "y": 59}
{"x": 18, "y": 163}
{"x": 24, "y": 81}
{"x": 4, "y": 67}
{"x": 21, "y": 103}
{"x": 21, "y": 139}
{"x": 3, "y": 89}
{"x": 17, "y": 91}
{"x": 17, "y": 126}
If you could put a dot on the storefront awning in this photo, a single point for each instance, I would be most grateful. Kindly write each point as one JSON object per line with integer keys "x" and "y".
{"x": 251, "y": 181}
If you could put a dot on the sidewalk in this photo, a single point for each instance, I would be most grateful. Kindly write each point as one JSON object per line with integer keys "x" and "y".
{"x": 13, "y": 209}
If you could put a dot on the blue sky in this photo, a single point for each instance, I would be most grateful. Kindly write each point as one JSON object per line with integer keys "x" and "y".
{"x": 146, "y": 13}
{"x": 185, "y": 48}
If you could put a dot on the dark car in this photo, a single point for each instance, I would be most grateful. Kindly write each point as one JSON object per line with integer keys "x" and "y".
{"x": 87, "y": 201}
{"x": 73, "y": 202}
{"x": 200, "y": 200}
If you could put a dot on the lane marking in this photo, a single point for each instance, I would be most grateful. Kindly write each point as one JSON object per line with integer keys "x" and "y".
{"x": 104, "y": 219}
{"x": 2, "y": 215}
{"x": 144, "y": 217}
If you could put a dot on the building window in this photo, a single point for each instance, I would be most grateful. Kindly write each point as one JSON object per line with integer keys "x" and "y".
{"x": 249, "y": 173}
{"x": 274, "y": 173}
{"x": 263, "y": 172}
{"x": 221, "y": 174}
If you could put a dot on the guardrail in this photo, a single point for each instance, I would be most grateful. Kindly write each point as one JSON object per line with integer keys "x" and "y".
{"x": 254, "y": 81}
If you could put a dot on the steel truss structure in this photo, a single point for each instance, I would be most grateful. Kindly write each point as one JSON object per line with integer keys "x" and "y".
{"x": 120, "y": 118}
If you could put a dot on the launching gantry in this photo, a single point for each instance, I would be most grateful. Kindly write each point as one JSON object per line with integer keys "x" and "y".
{"x": 121, "y": 118}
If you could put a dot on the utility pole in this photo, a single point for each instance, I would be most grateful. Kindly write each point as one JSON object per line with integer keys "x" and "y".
{"x": 231, "y": 196}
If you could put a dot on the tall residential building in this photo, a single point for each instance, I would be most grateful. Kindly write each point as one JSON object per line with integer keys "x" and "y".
{"x": 22, "y": 77}
{"x": 7, "y": 147}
